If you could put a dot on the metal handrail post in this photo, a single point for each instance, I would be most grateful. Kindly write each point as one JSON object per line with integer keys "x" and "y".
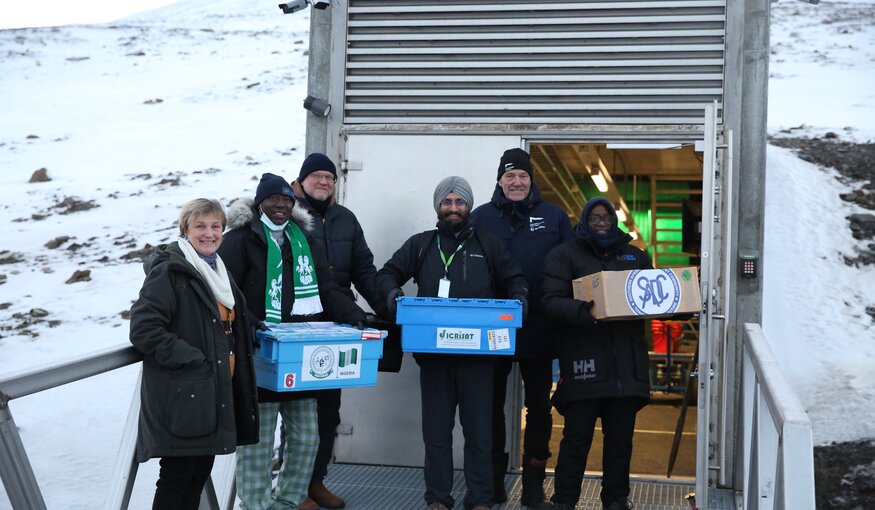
{"x": 125, "y": 471}
{"x": 15, "y": 471}
{"x": 781, "y": 457}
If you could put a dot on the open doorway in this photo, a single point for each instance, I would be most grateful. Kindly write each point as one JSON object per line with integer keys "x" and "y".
{"x": 657, "y": 192}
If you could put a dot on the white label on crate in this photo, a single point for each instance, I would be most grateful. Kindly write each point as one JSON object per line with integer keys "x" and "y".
{"x": 458, "y": 338}
{"x": 498, "y": 339}
{"x": 289, "y": 380}
{"x": 323, "y": 362}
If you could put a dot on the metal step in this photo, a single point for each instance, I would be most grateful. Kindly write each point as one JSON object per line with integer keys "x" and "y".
{"x": 402, "y": 488}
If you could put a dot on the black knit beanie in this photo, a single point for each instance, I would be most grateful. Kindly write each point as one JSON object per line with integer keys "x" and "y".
{"x": 270, "y": 185}
{"x": 514, "y": 159}
{"x": 316, "y": 162}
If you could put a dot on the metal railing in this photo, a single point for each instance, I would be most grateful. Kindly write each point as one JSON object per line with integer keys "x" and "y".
{"x": 16, "y": 472}
{"x": 778, "y": 457}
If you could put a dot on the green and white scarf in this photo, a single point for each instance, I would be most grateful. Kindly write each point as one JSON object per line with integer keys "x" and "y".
{"x": 306, "y": 286}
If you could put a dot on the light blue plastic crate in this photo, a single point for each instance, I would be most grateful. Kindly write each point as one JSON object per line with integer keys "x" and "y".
{"x": 298, "y": 356}
{"x": 459, "y": 326}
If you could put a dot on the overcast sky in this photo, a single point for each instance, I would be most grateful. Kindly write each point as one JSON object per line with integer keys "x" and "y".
{"x": 43, "y": 13}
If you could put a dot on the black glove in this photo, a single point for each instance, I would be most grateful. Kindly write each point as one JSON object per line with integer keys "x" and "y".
{"x": 525, "y": 302}
{"x": 258, "y": 326}
{"x": 583, "y": 316}
{"x": 361, "y": 324}
{"x": 390, "y": 301}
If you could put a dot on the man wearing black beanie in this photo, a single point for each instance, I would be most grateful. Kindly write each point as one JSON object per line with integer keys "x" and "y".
{"x": 340, "y": 235}
{"x": 530, "y": 228}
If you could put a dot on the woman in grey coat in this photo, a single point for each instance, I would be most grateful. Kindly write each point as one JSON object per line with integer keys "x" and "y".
{"x": 198, "y": 387}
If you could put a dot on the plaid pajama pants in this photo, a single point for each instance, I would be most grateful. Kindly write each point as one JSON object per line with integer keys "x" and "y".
{"x": 254, "y": 461}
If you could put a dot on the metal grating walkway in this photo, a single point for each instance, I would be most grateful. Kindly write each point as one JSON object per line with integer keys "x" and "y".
{"x": 401, "y": 488}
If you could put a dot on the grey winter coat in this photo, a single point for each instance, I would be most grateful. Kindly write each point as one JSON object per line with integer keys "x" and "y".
{"x": 190, "y": 405}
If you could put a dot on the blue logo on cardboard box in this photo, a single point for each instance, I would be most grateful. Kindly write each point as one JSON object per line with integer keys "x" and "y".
{"x": 653, "y": 291}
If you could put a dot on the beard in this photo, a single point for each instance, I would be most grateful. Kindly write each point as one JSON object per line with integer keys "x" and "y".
{"x": 453, "y": 217}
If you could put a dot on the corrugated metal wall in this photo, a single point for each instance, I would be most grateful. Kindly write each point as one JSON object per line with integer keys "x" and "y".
{"x": 558, "y": 62}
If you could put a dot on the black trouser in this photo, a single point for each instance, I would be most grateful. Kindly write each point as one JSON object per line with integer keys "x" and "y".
{"x": 444, "y": 384}
{"x": 618, "y": 426}
{"x": 537, "y": 376}
{"x": 181, "y": 481}
{"x": 328, "y": 407}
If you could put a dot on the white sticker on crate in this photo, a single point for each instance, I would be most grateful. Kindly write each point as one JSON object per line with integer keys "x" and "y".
{"x": 498, "y": 339}
{"x": 458, "y": 338}
{"x": 325, "y": 362}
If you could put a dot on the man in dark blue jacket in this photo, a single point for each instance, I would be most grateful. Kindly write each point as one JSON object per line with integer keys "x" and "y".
{"x": 530, "y": 227}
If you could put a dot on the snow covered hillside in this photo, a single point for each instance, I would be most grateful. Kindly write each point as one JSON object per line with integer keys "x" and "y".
{"x": 132, "y": 118}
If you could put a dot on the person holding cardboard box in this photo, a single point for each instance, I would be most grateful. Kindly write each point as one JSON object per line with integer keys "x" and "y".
{"x": 285, "y": 277}
{"x": 455, "y": 261}
{"x": 530, "y": 227}
{"x": 603, "y": 364}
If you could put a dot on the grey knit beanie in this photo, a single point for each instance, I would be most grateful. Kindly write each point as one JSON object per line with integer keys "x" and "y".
{"x": 453, "y": 184}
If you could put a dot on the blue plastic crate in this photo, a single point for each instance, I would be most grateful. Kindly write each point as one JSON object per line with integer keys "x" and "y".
{"x": 459, "y": 326}
{"x": 298, "y": 356}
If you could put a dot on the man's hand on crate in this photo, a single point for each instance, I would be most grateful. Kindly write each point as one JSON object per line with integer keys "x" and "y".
{"x": 525, "y": 302}
{"x": 390, "y": 301}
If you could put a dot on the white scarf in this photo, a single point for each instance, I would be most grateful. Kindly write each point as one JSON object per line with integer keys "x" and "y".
{"x": 216, "y": 279}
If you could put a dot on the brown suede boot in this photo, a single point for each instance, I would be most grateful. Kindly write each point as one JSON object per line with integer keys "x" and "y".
{"x": 308, "y": 504}
{"x": 324, "y": 498}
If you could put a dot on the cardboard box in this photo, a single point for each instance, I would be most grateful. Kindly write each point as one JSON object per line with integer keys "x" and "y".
{"x": 459, "y": 326}
{"x": 650, "y": 293}
{"x": 298, "y": 356}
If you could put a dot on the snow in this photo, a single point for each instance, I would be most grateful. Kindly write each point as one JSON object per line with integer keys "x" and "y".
{"x": 230, "y": 76}
{"x": 813, "y": 304}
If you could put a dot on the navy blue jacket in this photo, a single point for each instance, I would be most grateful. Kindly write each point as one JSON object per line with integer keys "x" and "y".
{"x": 529, "y": 228}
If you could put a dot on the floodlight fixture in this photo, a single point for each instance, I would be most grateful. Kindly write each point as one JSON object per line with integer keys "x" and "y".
{"x": 293, "y": 6}
{"x": 297, "y": 5}
{"x": 317, "y": 107}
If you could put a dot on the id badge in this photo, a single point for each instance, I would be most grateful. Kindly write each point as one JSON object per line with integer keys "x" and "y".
{"x": 444, "y": 288}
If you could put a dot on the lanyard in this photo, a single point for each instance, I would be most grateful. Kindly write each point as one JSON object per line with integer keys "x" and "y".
{"x": 444, "y": 259}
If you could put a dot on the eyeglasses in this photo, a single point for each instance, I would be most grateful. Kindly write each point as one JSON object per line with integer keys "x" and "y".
{"x": 322, "y": 177}
{"x": 458, "y": 202}
{"x": 594, "y": 219}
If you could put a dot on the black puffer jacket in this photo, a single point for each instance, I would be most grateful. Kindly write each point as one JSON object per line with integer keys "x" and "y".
{"x": 483, "y": 268}
{"x": 605, "y": 359}
{"x": 349, "y": 256}
{"x": 244, "y": 251}
{"x": 190, "y": 404}
{"x": 529, "y": 228}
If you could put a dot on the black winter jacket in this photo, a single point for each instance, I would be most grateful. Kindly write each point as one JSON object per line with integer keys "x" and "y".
{"x": 349, "y": 256}
{"x": 483, "y": 268}
{"x": 605, "y": 359}
{"x": 529, "y": 229}
{"x": 244, "y": 251}
{"x": 190, "y": 404}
